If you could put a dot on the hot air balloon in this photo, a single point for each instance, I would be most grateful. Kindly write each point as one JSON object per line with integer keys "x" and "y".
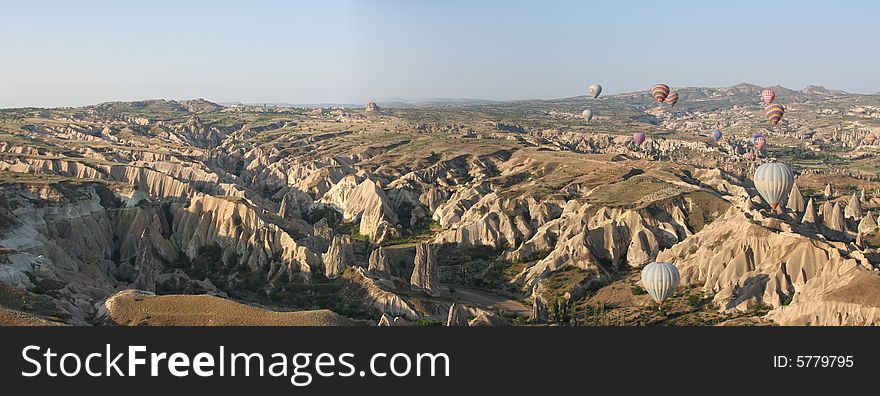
{"x": 774, "y": 113}
{"x": 660, "y": 280}
{"x": 595, "y": 90}
{"x": 754, "y": 136}
{"x": 749, "y": 156}
{"x": 588, "y": 115}
{"x": 639, "y": 138}
{"x": 672, "y": 99}
{"x": 716, "y": 135}
{"x": 660, "y": 92}
{"x": 773, "y": 181}
{"x": 870, "y": 138}
{"x": 759, "y": 142}
{"x": 768, "y": 96}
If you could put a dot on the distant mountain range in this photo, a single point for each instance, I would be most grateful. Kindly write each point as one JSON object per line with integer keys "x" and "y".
{"x": 403, "y": 103}
{"x": 754, "y": 91}
{"x": 742, "y": 91}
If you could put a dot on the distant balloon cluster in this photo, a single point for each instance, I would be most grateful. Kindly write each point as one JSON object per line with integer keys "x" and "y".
{"x": 773, "y": 181}
{"x": 663, "y": 94}
{"x": 595, "y": 90}
{"x": 774, "y": 112}
{"x": 660, "y": 92}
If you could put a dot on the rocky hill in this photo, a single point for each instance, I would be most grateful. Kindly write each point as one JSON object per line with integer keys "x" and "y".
{"x": 508, "y": 212}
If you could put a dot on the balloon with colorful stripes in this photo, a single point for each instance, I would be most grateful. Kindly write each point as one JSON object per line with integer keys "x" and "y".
{"x": 595, "y": 90}
{"x": 660, "y": 92}
{"x": 672, "y": 99}
{"x": 768, "y": 96}
{"x": 660, "y": 281}
{"x": 716, "y": 135}
{"x": 588, "y": 115}
{"x": 639, "y": 138}
{"x": 773, "y": 181}
{"x": 759, "y": 141}
{"x": 870, "y": 138}
{"x": 774, "y": 113}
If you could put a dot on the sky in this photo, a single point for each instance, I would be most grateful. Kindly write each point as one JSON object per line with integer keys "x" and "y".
{"x": 63, "y": 53}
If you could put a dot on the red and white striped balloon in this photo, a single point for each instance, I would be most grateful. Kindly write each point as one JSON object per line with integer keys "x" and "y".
{"x": 768, "y": 96}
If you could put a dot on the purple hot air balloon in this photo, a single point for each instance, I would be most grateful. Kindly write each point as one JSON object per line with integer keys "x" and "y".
{"x": 716, "y": 134}
{"x": 639, "y": 138}
{"x": 760, "y": 141}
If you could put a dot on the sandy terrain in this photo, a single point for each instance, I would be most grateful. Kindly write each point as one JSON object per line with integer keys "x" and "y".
{"x": 132, "y": 309}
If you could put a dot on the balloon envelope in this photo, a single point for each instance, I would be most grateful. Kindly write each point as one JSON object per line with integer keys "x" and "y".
{"x": 660, "y": 280}
{"x": 870, "y": 138}
{"x": 660, "y": 92}
{"x": 773, "y": 181}
{"x": 587, "y": 114}
{"x": 760, "y": 141}
{"x": 716, "y": 134}
{"x": 768, "y": 96}
{"x": 595, "y": 90}
{"x": 749, "y": 155}
{"x": 672, "y": 99}
{"x": 639, "y": 138}
{"x": 774, "y": 113}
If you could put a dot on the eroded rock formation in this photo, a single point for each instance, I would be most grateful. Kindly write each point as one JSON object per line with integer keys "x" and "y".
{"x": 378, "y": 264}
{"x": 426, "y": 273}
{"x": 457, "y": 316}
{"x": 339, "y": 257}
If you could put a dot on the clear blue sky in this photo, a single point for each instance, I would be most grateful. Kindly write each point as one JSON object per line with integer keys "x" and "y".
{"x": 74, "y": 53}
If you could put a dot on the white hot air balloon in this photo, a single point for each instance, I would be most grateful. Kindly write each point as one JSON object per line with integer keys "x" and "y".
{"x": 595, "y": 90}
{"x": 773, "y": 181}
{"x": 588, "y": 115}
{"x": 660, "y": 280}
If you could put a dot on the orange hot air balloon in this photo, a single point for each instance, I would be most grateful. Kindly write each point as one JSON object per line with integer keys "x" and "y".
{"x": 672, "y": 99}
{"x": 774, "y": 113}
{"x": 870, "y": 138}
{"x": 660, "y": 92}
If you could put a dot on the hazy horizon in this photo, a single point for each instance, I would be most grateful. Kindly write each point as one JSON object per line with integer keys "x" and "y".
{"x": 353, "y": 52}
